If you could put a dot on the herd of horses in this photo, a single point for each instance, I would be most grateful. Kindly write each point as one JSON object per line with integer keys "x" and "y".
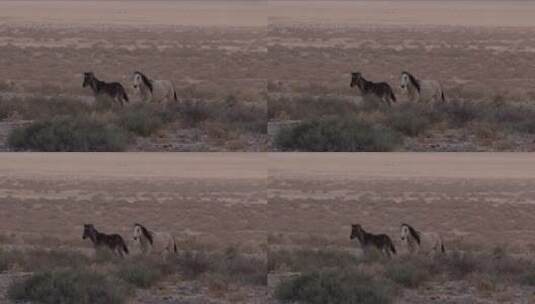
{"x": 160, "y": 91}
{"x": 148, "y": 242}
{"x": 415, "y": 241}
{"x": 417, "y": 90}
{"x": 150, "y": 90}
{"x": 164, "y": 243}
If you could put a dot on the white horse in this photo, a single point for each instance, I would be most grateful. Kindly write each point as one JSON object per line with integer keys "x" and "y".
{"x": 162, "y": 243}
{"x": 419, "y": 90}
{"x": 150, "y": 90}
{"x": 420, "y": 242}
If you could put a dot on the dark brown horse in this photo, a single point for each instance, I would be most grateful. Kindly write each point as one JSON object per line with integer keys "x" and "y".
{"x": 114, "y": 90}
{"x": 381, "y": 90}
{"x": 367, "y": 240}
{"x": 113, "y": 241}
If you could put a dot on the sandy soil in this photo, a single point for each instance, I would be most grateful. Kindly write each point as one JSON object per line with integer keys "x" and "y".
{"x": 137, "y": 13}
{"x": 465, "y": 13}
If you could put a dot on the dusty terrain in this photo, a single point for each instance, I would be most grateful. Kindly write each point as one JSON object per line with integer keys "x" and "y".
{"x": 478, "y": 50}
{"x": 208, "y": 201}
{"x": 476, "y": 201}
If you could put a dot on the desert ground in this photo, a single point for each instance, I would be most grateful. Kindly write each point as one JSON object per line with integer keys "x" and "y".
{"x": 476, "y": 201}
{"x": 212, "y": 51}
{"x": 479, "y": 50}
{"x": 208, "y": 201}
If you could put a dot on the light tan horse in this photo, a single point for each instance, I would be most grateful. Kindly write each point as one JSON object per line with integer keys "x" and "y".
{"x": 420, "y": 90}
{"x": 421, "y": 242}
{"x": 162, "y": 243}
{"x": 159, "y": 91}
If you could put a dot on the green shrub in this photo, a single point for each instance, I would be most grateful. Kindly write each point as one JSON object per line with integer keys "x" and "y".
{"x": 66, "y": 287}
{"x": 459, "y": 113}
{"x": 528, "y": 278}
{"x": 337, "y": 134}
{"x": 334, "y": 287}
{"x": 457, "y": 265}
{"x": 40, "y": 259}
{"x": 192, "y": 113}
{"x": 309, "y": 107}
{"x": 66, "y": 133}
{"x": 309, "y": 260}
{"x": 37, "y": 108}
{"x": 249, "y": 270}
{"x": 409, "y": 273}
{"x": 230, "y": 112}
{"x": 410, "y": 119}
{"x": 141, "y": 119}
{"x": 193, "y": 264}
{"x": 142, "y": 274}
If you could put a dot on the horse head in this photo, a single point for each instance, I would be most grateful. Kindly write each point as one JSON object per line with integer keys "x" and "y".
{"x": 356, "y": 231}
{"x": 355, "y": 78}
{"x": 88, "y": 79}
{"x": 89, "y": 231}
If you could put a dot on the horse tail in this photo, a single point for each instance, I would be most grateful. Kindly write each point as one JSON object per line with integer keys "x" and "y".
{"x": 174, "y": 95}
{"x": 442, "y": 248}
{"x": 442, "y": 96}
{"x": 393, "y": 96}
{"x": 174, "y": 246}
{"x": 125, "y": 96}
{"x": 123, "y": 245}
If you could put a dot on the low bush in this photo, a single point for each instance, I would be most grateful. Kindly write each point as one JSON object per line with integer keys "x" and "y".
{"x": 142, "y": 274}
{"x": 141, "y": 119}
{"x": 248, "y": 270}
{"x": 37, "y": 108}
{"x": 309, "y": 260}
{"x": 193, "y": 264}
{"x": 334, "y": 287}
{"x": 408, "y": 272}
{"x": 40, "y": 259}
{"x": 76, "y": 286}
{"x": 411, "y": 119}
{"x": 65, "y": 133}
{"x": 335, "y": 134}
{"x": 309, "y": 107}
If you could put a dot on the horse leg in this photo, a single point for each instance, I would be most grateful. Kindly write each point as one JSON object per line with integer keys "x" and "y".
{"x": 120, "y": 101}
{"x": 118, "y": 251}
{"x": 386, "y": 251}
{"x": 386, "y": 100}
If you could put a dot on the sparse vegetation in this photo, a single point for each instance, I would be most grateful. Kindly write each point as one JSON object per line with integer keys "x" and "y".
{"x": 336, "y": 287}
{"x": 309, "y": 260}
{"x": 141, "y": 119}
{"x": 408, "y": 272}
{"x": 141, "y": 274}
{"x": 230, "y": 112}
{"x": 65, "y": 133}
{"x": 229, "y": 264}
{"x": 335, "y": 134}
{"x": 319, "y": 269}
{"x": 61, "y": 276}
{"x": 71, "y": 286}
{"x": 60, "y": 124}
{"x": 331, "y": 124}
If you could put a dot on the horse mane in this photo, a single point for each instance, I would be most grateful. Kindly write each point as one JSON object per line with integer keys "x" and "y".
{"x": 145, "y": 232}
{"x": 413, "y": 80}
{"x": 146, "y": 81}
{"x": 413, "y": 232}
